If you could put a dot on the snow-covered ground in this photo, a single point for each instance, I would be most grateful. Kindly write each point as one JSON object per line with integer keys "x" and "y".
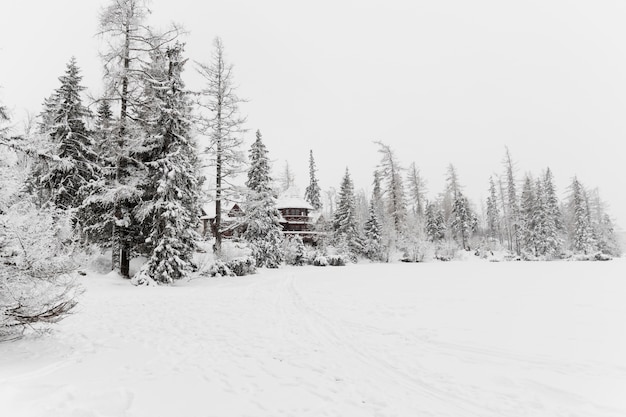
{"x": 437, "y": 339}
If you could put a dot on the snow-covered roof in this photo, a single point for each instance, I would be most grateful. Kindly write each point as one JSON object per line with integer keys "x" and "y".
{"x": 209, "y": 209}
{"x": 284, "y": 202}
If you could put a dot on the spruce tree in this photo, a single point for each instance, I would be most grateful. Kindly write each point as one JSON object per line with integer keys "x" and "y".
{"x": 463, "y": 221}
{"x": 435, "y": 223}
{"x": 345, "y": 229}
{"x": 581, "y": 232}
{"x": 372, "y": 242}
{"x": 170, "y": 200}
{"x": 263, "y": 229}
{"x": 312, "y": 194}
{"x": 553, "y": 218}
{"x": 528, "y": 217}
{"x": 493, "y": 213}
{"x": 65, "y": 180}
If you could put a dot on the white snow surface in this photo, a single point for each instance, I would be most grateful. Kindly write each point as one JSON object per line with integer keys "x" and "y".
{"x": 436, "y": 339}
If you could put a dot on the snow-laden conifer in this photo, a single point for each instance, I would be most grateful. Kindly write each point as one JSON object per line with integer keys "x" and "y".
{"x": 345, "y": 229}
{"x": 64, "y": 181}
{"x": 493, "y": 212}
{"x": 581, "y": 231}
{"x": 528, "y": 217}
{"x": 372, "y": 240}
{"x": 463, "y": 220}
{"x": 313, "y": 193}
{"x": 169, "y": 207}
{"x": 263, "y": 228}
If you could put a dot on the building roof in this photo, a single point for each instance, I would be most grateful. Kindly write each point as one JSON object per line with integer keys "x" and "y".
{"x": 209, "y": 209}
{"x": 285, "y": 202}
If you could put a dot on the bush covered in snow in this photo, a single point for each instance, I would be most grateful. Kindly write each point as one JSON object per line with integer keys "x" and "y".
{"x": 36, "y": 282}
{"x": 294, "y": 250}
{"x": 244, "y": 265}
{"x": 241, "y": 266}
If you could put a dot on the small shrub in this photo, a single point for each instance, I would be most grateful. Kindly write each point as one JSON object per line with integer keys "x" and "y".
{"x": 336, "y": 260}
{"x": 244, "y": 265}
{"x": 320, "y": 261}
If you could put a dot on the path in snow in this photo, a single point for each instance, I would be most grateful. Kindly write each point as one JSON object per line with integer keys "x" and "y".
{"x": 440, "y": 339}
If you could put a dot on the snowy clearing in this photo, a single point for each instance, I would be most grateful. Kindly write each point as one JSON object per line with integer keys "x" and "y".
{"x": 435, "y": 339}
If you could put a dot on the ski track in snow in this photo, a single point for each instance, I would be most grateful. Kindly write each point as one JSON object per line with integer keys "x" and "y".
{"x": 362, "y": 340}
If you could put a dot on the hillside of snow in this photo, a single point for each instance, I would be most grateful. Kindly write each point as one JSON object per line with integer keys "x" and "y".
{"x": 435, "y": 339}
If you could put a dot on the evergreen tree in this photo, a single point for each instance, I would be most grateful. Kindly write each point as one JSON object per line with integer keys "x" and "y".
{"x": 312, "y": 194}
{"x": 169, "y": 207}
{"x": 463, "y": 220}
{"x": 581, "y": 232}
{"x": 65, "y": 180}
{"x": 528, "y": 211}
{"x": 435, "y": 223}
{"x": 345, "y": 229}
{"x": 129, "y": 43}
{"x": 224, "y": 127}
{"x": 552, "y": 225}
{"x": 493, "y": 212}
{"x": 372, "y": 242}
{"x": 263, "y": 228}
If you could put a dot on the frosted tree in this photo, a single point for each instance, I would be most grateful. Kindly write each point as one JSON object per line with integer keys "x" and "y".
{"x": 345, "y": 228}
{"x": 493, "y": 213}
{"x": 581, "y": 230}
{"x": 372, "y": 241}
{"x": 65, "y": 180}
{"x": 287, "y": 178}
{"x": 463, "y": 220}
{"x": 263, "y": 229}
{"x": 417, "y": 191}
{"x": 223, "y": 126}
{"x": 129, "y": 42}
{"x": 511, "y": 204}
{"x": 452, "y": 190}
{"x": 312, "y": 194}
{"x": 553, "y": 227}
{"x": 435, "y": 223}
{"x": 604, "y": 230}
{"x": 36, "y": 285}
{"x": 170, "y": 191}
{"x": 391, "y": 172}
{"x": 528, "y": 217}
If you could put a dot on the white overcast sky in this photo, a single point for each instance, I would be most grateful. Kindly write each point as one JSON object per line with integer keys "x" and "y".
{"x": 446, "y": 81}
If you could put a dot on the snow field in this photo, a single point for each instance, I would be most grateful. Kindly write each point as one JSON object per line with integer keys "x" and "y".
{"x": 434, "y": 339}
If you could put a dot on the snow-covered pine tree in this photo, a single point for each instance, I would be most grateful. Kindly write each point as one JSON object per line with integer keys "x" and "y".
{"x": 581, "y": 231}
{"x": 345, "y": 228}
{"x": 170, "y": 191}
{"x": 224, "y": 126}
{"x": 129, "y": 40}
{"x": 263, "y": 229}
{"x": 552, "y": 226}
{"x": 65, "y": 180}
{"x": 604, "y": 231}
{"x": 493, "y": 213}
{"x": 463, "y": 220}
{"x": 372, "y": 242}
{"x": 433, "y": 228}
{"x": 528, "y": 211}
{"x": 312, "y": 194}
